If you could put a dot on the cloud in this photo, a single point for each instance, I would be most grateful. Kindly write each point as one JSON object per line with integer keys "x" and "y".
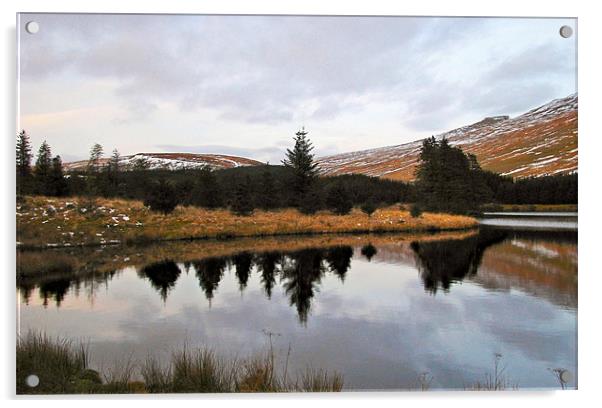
{"x": 235, "y": 72}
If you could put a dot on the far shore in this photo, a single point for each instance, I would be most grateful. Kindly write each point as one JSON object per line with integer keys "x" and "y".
{"x": 48, "y": 222}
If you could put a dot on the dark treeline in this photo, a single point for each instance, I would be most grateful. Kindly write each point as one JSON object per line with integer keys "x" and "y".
{"x": 448, "y": 180}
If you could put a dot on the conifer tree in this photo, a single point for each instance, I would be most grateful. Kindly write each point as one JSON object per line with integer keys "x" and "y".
{"x": 42, "y": 169}
{"x": 23, "y": 155}
{"x": 241, "y": 203}
{"x": 96, "y": 153}
{"x": 161, "y": 197}
{"x": 301, "y": 161}
{"x": 267, "y": 195}
{"x": 23, "y": 158}
{"x": 57, "y": 183}
{"x": 338, "y": 199}
{"x": 207, "y": 191}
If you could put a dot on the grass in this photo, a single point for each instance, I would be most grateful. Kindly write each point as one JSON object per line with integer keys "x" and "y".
{"x": 58, "y": 222}
{"x": 62, "y": 368}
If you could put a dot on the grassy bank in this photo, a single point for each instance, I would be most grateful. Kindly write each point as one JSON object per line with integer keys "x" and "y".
{"x": 52, "y": 222}
{"x": 62, "y": 368}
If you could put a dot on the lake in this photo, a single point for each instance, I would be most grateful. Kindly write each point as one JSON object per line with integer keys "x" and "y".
{"x": 389, "y": 312}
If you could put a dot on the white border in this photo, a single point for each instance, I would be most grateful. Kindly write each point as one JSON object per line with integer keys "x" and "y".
{"x": 590, "y": 149}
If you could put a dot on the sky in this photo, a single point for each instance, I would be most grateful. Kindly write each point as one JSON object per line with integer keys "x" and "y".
{"x": 243, "y": 85}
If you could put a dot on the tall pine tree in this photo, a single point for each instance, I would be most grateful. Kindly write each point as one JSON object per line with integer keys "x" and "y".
{"x": 42, "y": 169}
{"x": 23, "y": 156}
{"x": 301, "y": 161}
{"x": 56, "y": 179}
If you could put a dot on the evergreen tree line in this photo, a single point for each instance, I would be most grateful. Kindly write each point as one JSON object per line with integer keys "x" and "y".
{"x": 448, "y": 180}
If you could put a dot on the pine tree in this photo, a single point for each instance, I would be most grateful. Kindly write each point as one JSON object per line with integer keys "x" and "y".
{"x": 267, "y": 195}
{"x": 241, "y": 204}
{"x": 42, "y": 169}
{"x": 161, "y": 197}
{"x": 114, "y": 165}
{"x": 338, "y": 199}
{"x": 57, "y": 183}
{"x": 207, "y": 192}
{"x": 301, "y": 161}
{"x": 23, "y": 157}
{"x": 112, "y": 170}
{"x": 96, "y": 153}
{"x": 449, "y": 180}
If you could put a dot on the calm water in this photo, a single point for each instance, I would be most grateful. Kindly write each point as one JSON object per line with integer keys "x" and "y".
{"x": 381, "y": 312}
{"x": 532, "y": 220}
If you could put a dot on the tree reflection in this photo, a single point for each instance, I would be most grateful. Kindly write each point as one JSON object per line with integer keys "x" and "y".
{"x": 301, "y": 277}
{"x": 443, "y": 262}
{"x": 266, "y": 265}
{"x": 339, "y": 260}
{"x": 162, "y": 275}
{"x": 242, "y": 263}
{"x": 210, "y": 271}
{"x": 55, "y": 289}
{"x": 369, "y": 251}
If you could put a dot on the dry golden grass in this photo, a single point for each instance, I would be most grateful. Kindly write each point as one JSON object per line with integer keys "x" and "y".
{"x": 44, "y": 221}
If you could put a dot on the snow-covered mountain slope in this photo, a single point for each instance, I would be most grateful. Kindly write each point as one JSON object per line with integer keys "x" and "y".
{"x": 173, "y": 161}
{"x": 540, "y": 142}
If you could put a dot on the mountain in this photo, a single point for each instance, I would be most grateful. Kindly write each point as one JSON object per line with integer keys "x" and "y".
{"x": 173, "y": 161}
{"x": 540, "y": 142}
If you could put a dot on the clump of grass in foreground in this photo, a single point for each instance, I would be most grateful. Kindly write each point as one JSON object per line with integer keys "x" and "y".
{"x": 62, "y": 368}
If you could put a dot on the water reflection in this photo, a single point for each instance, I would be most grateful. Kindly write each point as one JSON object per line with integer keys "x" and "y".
{"x": 440, "y": 264}
{"x": 380, "y": 310}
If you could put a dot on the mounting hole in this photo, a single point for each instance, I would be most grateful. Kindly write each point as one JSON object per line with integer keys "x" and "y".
{"x": 32, "y": 27}
{"x": 566, "y": 31}
{"x": 32, "y": 380}
{"x": 566, "y": 376}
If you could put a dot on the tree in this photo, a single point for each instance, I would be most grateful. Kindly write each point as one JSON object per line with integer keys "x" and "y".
{"x": 369, "y": 207}
{"x": 112, "y": 170}
{"x": 338, "y": 199}
{"x": 207, "y": 192}
{"x": 311, "y": 202}
{"x": 161, "y": 197}
{"x": 114, "y": 165}
{"x": 241, "y": 204}
{"x": 301, "y": 161}
{"x": 449, "y": 180}
{"x": 42, "y": 168}
{"x": 416, "y": 210}
{"x": 96, "y": 153}
{"x": 23, "y": 157}
{"x": 57, "y": 185}
{"x": 267, "y": 199}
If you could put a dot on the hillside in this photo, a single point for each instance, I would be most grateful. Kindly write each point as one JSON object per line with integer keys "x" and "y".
{"x": 174, "y": 161}
{"x": 540, "y": 142}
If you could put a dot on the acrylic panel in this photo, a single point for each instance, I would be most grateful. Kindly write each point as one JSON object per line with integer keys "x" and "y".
{"x": 223, "y": 203}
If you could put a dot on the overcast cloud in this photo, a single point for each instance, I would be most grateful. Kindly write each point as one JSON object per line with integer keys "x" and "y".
{"x": 244, "y": 85}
